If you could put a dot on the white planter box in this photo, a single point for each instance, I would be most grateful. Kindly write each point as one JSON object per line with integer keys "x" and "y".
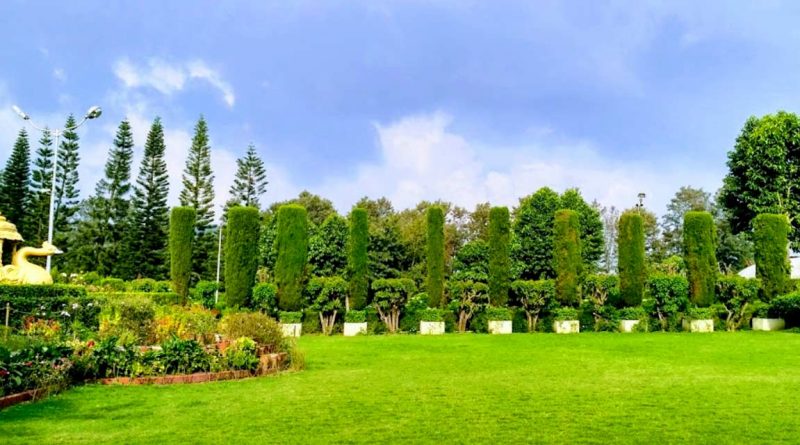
{"x": 628, "y": 325}
{"x": 353, "y": 329}
{"x": 292, "y": 329}
{"x": 768, "y": 324}
{"x": 698, "y": 325}
{"x": 499, "y": 326}
{"x": 431, "y": 327}
{"x": 566, "y": 327}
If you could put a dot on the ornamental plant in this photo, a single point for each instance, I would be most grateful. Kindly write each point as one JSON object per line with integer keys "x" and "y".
{"x": 435, "y": 256}
{"x": 328, "y": 295}
{"x": 466, "y": 298}
{"x": 291, "y": 245}
{"x": 431, "y": 315}
{"x": 181, "y": 236}
{"x": 771, "y": 255}
{"x": 494, "y": 313}
{"x": 261, "y": 328}
{"x": 738, "y": 299}
{"x": 358, "y": 263}
{"x": 669, "y": 295}
{"x": 599, "y": 291}
{"x": 290, "y": 317}
{"x": 631, "y": 258}
{"x": 354, "y": 316}
{"x": 265, "y": 298}
{"x": 534, "y": 297}
{"x": 391, "y": 295}
{"x": 699, "y": 240}
{"x": 241, "y": 255}
{"x": 567, "y": 260}
{"x": 565, "y": 314}
{"x": 499, "y": 255}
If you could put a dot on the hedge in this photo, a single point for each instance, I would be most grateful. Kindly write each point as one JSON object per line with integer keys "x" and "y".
{"x": 567, "y": 260}
{"x": 699, "y": 240}
{"x": 669, "y": 296}
{"x": 291, "y": 245}
{"x": 435, "y": 256}
{"x": 630, "y": 260}
{"x": 48, "y": 301}
{"x": 770, "y": 251}
{"x": 499, "y": 255}
{"x": 358, "y": 260}
{"x": 241, "y": 254}
{"x": 181, "y": 236}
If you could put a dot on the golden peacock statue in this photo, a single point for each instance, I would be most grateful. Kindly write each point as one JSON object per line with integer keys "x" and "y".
{"x": 21, "y": 271}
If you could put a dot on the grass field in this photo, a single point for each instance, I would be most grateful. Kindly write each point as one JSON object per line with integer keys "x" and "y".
{"x": 543, "y": 388}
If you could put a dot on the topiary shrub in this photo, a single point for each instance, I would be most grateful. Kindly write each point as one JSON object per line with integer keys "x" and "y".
{"x": 600, "y": 292}
{"x": 358, "y": 259}
{"x": 265, "y": 298}
{"x": 391, "y": 295}
{"x": 291, "y": 244}
{"x": 567, "y": 260}
{"x": 205, "y": 293}
{"x": 534, "y": 297}
{"x": 630, "y": 258}
{"x": 328, "y": 296}
{"x": 699, "y": 239}
{"x": 435, "y": 256}
{"x": 467, "y": 298}
{"x": 181, "y": 236}
{"x": 787, "y": 307}
{"x": 738, "y": 299}
{"x": 499, "y": 255}
{"x": 771, "y": 255}
{"x": 669, "y": 296}
{"x": 241, "y": 255}
{"x": 262, "y": 329}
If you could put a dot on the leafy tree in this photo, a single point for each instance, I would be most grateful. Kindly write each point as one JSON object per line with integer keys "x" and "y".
{"x": 358, "y": 259}
{"x": 631, "y": 263}
{"x": 241, "y": 255}
{"x": 478, "y": 225}
{"x": 670, "y": 296}
{"x": 686, "y": 199}
{"x": 567, "y": 256}
{"x": 291, "y": 244}
{"x": 471, "y": 262}
{"x": 771, "y": 239}
{"x": 591, "y": 227}
{"x": 600, "y": 290}
{"x": 737, "y": 298}
{"x": 435, "y": 256}
{"x": 67, "y": 193}
{"x": 699, "y": 237}
{"x": 181, "y": 237}
{"x": 534, "y": 297}
{"x": 327, "y": 248}
{"x": 499, "y": 255}
{"x": 317, "y": 207}
{"x": 41, "y": 187}
{"x": 466, "y": 298}
{"x": 328, "y": 296}
{"x": 250, "y": 182}
{"x": 391, "y": 295}
{"x": 388, "y": 256}
{"x": 533, "y": 227}
{"x": 15, "y": 192}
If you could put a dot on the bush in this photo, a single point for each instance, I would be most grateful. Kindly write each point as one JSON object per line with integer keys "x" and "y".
{"x": 632, "y": 313}
{"x": 435, "y": 256}
{"x": 148, "y": 285}
{"x": 129, "y": 319}
{"x": 700, "y": 313}
{"x": 186, "y": 323}
{"x": 467, "y": 298}
{"x": 205, "y": 293}
{"x": 328, "y": 298}
{"x": 770, "y": 252}
{"x": 669, "y": 296}
{"x": 567, "y": 260}
{"x": 354, "y": 316}
{"x": 241, "y": 255}
{"x": 600, "y": 291}
{"x": 534, "y": 297}
{"x": 68, "y": 304}
{"x": 494, "y": 313}
{"x": 699, "y": 239}
{"x": 184, "y": 356}
{"x": 112, "y": 285}
{"x": 787, "y": 307}
{"x": 241, "y": 354}
{"x": 291, "y": 245}
{"x": 288, "y": 317}
{"x": 431, "y": 314}
{"x": 261, "y": 328}
{"x": 737, "y": 297}
{"x": 265, "y": 298}
{"x": 391, "y": 295}
{"x": 411, "y": 312}
{"x": 358, "y": 258}
{"x": 112, "y": 358}
{"x": 565, "y": 313}
{"x": 499, "y": 255}
{"x": 631, "y": 258}
{"x": 181, "y": 236}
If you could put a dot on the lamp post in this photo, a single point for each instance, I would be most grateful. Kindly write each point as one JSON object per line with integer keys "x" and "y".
{"x": 93, "y": 113}
{"x": 640, "y": 205}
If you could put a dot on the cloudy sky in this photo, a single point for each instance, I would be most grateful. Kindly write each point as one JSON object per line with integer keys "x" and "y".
{"x": 461, "y": 100}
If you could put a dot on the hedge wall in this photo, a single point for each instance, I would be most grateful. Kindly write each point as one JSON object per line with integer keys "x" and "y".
{"x": 499, "y": 255}
{"x": 630, "y": 258}
{"x": 48, "y": 301}
{"x": 435, "y": 256}
{"x": 567, "y": 260}
{"x": 770, "y": 246}
{"x": 291, "y": 245}
{"x": 699, "y": 247}
{"x": 181, "y": 235}
{"x": 358, "y": 260}
{"x": 241, "y": 254}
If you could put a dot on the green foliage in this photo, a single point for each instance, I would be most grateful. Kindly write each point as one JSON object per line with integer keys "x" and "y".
{"x": 41, "y": 183}
{"x": 15, "y": 193}
{"x": 471, "y": 262}
{"x": 601, "y": 293}
{"x": 181, "y": 236}
{"x": 686, "y": 199}
{"x": 241, "y": 259}
{"x": 565, "y": 313}
{"x": 358, "y": 261}
{"x": 499, "y": 254}
{"x": 632, "y": 313}
{"x": 495, "y": 313}
{"x": 534, "y": 297}
{"x": 591, "y": 227}
{"x": 292, "y": 251}
{"x": 184, "y": 356}
{"x": 328, "y": 296}
{"x": 250, "y": 181}
{"x": 567, "y": 256}
{"x": 390, "y": 297}
{"x": 631, "y": 260}
{"x": 205, "y": 293}
{"x": 701, "y": 313}
{"x": 317, "y": 207}
{"x": 669, "y": 296}
{"x": 148, "y": 285}
{"x": 130, "y": 319}
{"x": 466, "y": 299}
{"x": 699, "y": 238}
{"x": 738, "y": 298}
{"x": 770, "y": 240}
{"x": 533, "y": 228}
{"x": 435, "y": 256}
{"x": 50, "y": 302}
{"x": 355, "y": 316}
{"x": 262, "y": 329}
{"x": 265, "y": 298}
{"x": 787, "y": 307}
{"x": 241, "y": 354}
{"x": 431, "y": 314}
{"x": 327, "y": 247}
{"x": 67, "y": 191}
{"x": 289, "y": 317}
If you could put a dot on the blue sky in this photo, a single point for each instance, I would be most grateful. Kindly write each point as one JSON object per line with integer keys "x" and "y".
{"x": 461, "y": 100}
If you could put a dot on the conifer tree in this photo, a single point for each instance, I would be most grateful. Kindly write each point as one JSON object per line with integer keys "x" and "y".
{"x": 67, "y": 194}
{"x": 15, "y": 185}
{"x": 41, "y": 187}
{"x": 250, "y": 181}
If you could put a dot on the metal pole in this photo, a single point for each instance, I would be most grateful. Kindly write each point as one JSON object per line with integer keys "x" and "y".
{"x": 8, "y": 310}
{"x": 219, "y": 261}
{"x": 52, "y": 197}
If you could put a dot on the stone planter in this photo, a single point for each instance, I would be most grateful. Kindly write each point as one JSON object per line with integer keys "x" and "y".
{"x": 292, "y": 329}
{"x": 706, "y": 325}
{"x": 566, "y": 326}
{"x": 628, "y": 325}
{"x": 768, "y": 324}
{"x": 431, "y": 327}
{"x": 353, "y": 329}
{"x": 499, "y": 326}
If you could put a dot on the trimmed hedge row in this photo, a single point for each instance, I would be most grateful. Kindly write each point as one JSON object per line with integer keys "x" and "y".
{"x": 181, "y": 237}
{"x": 499, "y": 255}
{"x": 567, "y": 260}
{"x": 53, "y": 301}
{"x": 291, "y": 245}
{"x": 358, "y": 258}
{"x": 631, "y": 258}
{"x": 770, "y": 251}
{"x": 241, "y": 254}
{"x": 435, "y": 256}
{"x": 699, "y": 239}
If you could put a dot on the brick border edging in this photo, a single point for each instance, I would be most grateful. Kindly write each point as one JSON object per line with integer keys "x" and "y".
{"x": 14, "y": 399}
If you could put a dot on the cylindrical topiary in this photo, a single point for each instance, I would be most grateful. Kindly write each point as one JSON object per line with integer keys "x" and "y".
{"x": 358, "y": 260}
{"x": 435, "y": 256}
{"x": 567, "y": 260}
{"x": 291, "y": 245}
{"x": 630, "y": 258}
{"x": 771, "y": 253}
{"x": 181, "y": 235}
{"x": 699, "y": 254}
{"x": 499, "y": 255}
{"x": 241, "y": 254}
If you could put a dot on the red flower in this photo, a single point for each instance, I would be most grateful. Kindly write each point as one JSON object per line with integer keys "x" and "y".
{"x": 90, "y": 344}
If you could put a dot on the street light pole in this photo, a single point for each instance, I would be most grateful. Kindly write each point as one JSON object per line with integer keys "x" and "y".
{"x": 93, "y": 113}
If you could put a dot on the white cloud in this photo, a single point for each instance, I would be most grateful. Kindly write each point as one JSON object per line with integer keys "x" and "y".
{"x": 59, "y": 74}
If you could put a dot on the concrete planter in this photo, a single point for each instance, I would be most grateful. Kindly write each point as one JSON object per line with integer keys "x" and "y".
{"x": 431, "y": 327}
{"x": 628, "y": 325}
{"x": 706, "y": 325}
{"x": 292, "y": 329}
{"x": 768, "y": 324}
{"x": 353, "y": 329}
{"x": 499, "y": 326}
{"x": 566, "y": 326}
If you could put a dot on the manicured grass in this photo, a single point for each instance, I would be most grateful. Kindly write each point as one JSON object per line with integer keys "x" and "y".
{"x": 601, "y": 388}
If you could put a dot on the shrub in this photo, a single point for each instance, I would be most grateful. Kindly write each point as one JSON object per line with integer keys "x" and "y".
{"x": 632, "y": 313}
{"x": 499, "y": 255}
{"x": 467, "y": 298}
{"x": 241, "y": 255}
{"x": 291, "y": 245}
{"x": 700, "y": 313}
{"x": 431, "y": 314}
{"x": 787, "y": 307}
{"x": 670, "y": 296}
{"x": 391, "y": 295}
{"x": 129, "y": 319}
{"x": 328, "y": 298}
{"x": 205, "y": 293}
{"x": 112, "y": 284}
{"x": 242, "y": 354}
{"x": 411, "y": 312}
{"x": 533, "y": 297}
{"x": 186, "y": 323}
{"x": 148, "y": 285}
{"x": 600, "y": 290}
{"x": 181, "y": 236}
{"x": 565, "y": 313}
{"x": 358, "y": 259}
{"x": 68, "y": 304}
{"x": 262, "y": 329}
{"x": 265, "y": 298}
{"x": 494, "y": 313}
{"x": 435, "y": 256}
{"x": 288, "y": 317}
{"x": 354, "y": 316}
{"x": 737, "y": 297}
{"x": 699, "y": 239}
{"x": 184, "y": 356}
{"x": 631, "y": 258}
{"x": 770, "y": 252}
{"x": 567, "y": 260}
{"x": 113, "y": 358}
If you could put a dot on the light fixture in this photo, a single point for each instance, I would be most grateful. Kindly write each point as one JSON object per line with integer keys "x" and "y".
{"x": 94, "y": 112}
{"x": 20, "y": 113}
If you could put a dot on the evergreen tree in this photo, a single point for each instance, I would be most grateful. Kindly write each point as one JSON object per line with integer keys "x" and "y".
{"x": 327, "y": 248}
{"x": 499, "y": 255}
{"x": 41, "y": 186}
{"x": 67, "y": 194}
{"x": 358, "y": 262}
{"x": 250, "y": 181}
{"x": 435, "y": 256}
{"x": 15, "y": 185}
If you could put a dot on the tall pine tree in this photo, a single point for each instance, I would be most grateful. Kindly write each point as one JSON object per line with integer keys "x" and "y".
{"x": 41, "y": 187}
{"x": 15, "y": 185}
{"x": 67, "y": 194}
{"x": 250, "y": 181}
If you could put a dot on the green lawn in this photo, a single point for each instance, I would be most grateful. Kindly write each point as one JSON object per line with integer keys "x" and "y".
{"x": 603, "y": 388}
